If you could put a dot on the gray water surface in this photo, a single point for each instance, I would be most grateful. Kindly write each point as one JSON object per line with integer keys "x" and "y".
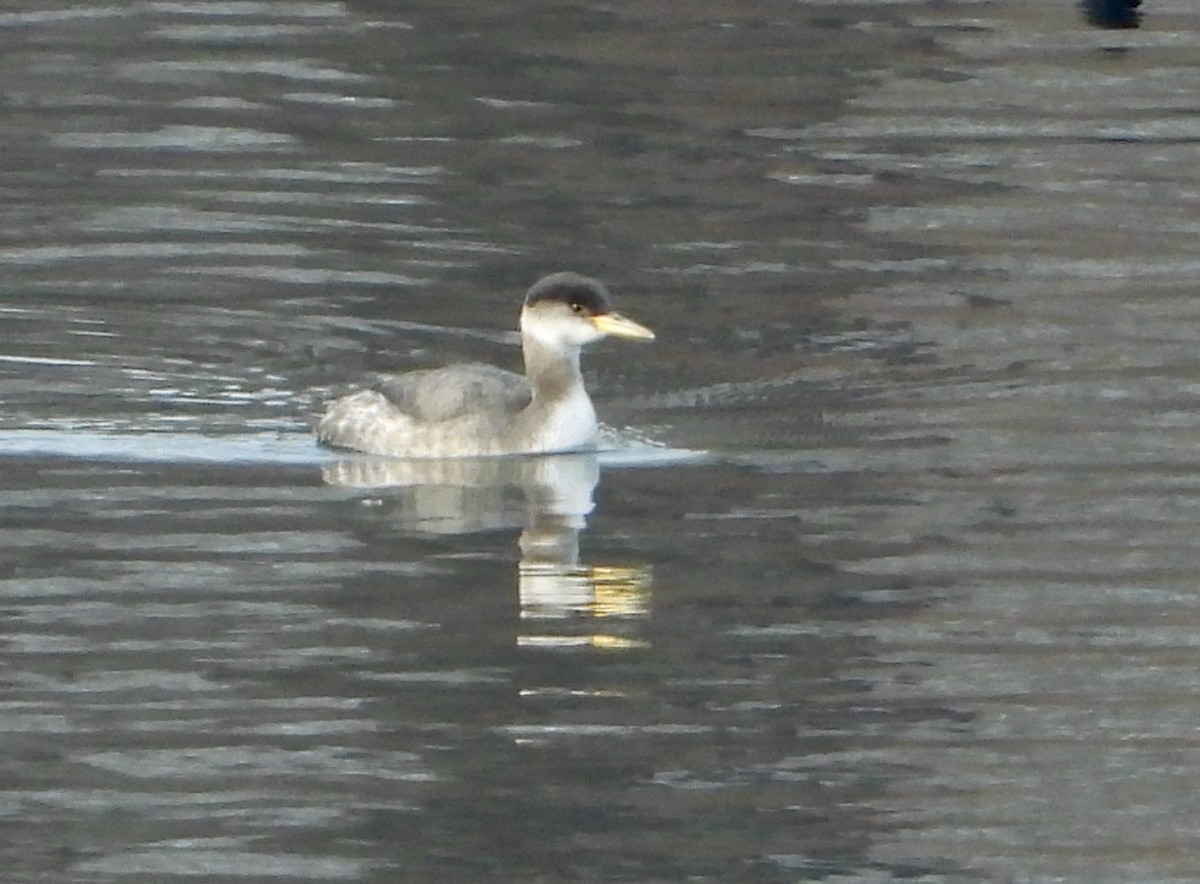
{"x": 890, "y": 573}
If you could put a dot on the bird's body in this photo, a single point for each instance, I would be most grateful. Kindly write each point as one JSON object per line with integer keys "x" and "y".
{"x": 475, "y": 410}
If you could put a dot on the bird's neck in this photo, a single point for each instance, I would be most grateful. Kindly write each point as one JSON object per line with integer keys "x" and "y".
{"x": 553, "y": 372}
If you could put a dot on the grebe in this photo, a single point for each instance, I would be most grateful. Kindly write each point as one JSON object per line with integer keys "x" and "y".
{"x": 473, "y": 410}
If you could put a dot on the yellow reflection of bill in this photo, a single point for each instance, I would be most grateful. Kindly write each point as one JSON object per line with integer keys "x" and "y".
{"x": 578, "y": 599}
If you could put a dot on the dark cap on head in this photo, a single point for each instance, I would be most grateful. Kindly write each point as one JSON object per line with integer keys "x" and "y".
{"x": 573, "y": 289}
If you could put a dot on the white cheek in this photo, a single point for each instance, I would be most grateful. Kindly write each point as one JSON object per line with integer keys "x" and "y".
{"x": 583, "y": 333}
{"x": 557, "y": 330}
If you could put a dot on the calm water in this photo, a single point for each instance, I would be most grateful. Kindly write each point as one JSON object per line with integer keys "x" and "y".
{"x": 892, "y": 576}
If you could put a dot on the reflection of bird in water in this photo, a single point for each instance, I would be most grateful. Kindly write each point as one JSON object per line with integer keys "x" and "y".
{"x": 564, "y": 604}
{"x": 469, "y": 410}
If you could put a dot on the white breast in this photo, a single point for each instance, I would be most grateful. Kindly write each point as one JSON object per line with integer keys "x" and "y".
{"x": 570, "y": 424}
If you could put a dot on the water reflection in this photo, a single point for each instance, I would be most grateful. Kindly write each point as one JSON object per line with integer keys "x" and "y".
{"x": 563, "y": 603}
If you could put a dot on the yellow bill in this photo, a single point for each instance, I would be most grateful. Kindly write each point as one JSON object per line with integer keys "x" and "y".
{"x": 621, "y": 327}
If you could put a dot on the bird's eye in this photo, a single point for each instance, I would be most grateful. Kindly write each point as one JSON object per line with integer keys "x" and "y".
{"x": 577, "y": 308}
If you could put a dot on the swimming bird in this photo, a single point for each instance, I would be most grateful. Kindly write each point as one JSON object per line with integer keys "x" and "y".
{"x": 474, "y": 409}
